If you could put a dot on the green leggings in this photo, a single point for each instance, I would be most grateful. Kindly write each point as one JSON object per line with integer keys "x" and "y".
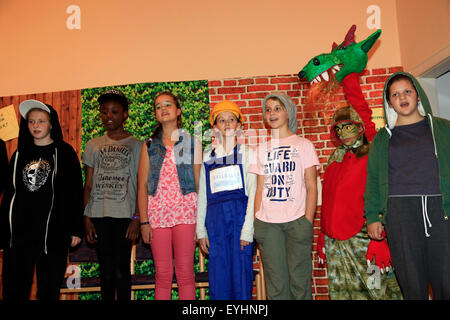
{"x": 349, "y": 277}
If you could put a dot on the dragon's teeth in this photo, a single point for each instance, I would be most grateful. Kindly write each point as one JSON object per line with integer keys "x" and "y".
{"x": 325, "y": 75}
{"x": 336, "y": 67}
{"x": 318, "y": 78}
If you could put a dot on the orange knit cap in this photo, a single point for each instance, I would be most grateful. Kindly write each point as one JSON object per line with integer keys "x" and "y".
{"x": 226, "y": 105}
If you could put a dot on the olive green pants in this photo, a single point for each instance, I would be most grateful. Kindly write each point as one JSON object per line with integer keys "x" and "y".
{"x": 286, "y": 256}
{"x": 349, "y": 277}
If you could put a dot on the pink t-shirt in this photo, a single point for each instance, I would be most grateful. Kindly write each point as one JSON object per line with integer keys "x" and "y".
{"x": 283, "y": 163}
{"x": 169, "y": 207}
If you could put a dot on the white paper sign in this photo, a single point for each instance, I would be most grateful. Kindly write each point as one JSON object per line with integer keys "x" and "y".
{"x": 9, "y": 127}
{"x": 225, "y": 179}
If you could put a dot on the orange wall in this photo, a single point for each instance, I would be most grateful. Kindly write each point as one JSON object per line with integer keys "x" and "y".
{"x": 145, "y": 41}
{"x": 424, "y": 33}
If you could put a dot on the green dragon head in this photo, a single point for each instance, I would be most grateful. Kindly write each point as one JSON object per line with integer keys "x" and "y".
{"x": 346, "y": 58}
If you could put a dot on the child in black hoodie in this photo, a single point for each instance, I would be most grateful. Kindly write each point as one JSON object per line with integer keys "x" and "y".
{"x": 43, "y": 208}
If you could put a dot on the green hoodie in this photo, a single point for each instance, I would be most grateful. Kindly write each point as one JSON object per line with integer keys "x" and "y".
{"x": 376, "y": 194}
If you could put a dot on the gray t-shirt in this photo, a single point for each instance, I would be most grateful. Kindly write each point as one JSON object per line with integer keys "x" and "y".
{"x": 114, "y": 183}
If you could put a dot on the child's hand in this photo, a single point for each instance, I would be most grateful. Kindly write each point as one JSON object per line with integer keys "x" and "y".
{"x": 244, "y": 243}
{"x": 133, "y": 230}
{"x": 146, "y": 233}
{"x": 75, "y": 241}
{"x": 375, "y": 231}
{"x": 204, "y": 245}
{"x": 91, "y": 235}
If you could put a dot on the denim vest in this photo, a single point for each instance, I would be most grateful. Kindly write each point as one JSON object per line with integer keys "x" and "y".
{"x": 184, "y": 160}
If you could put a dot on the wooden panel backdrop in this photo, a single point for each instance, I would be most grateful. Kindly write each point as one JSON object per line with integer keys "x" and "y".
{"x": 68, "y": 106}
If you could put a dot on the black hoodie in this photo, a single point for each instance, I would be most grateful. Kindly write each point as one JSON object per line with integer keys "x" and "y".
{"x": 42, "y": 208}
{"x": 3, "y": 166}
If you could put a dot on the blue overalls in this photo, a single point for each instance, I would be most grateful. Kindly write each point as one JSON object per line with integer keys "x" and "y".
{"x": 230, "y": 268}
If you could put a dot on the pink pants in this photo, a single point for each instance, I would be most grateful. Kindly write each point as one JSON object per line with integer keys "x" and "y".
{"x": 179, "y": 240}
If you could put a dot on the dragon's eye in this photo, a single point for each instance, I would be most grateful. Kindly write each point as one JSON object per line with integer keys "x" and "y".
{"x": 316, "y": 61}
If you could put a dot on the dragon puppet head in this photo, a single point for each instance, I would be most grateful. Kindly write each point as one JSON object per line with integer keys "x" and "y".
{"x": 346, "y": 58}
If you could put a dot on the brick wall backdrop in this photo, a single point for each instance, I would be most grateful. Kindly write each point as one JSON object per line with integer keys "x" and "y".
{"x": 249, "y": 93}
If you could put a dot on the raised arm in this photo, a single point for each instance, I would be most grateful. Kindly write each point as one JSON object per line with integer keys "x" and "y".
{"x": 354, "y": 94}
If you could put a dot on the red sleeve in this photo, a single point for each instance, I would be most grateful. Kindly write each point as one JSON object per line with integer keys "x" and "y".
{"x": 354, "y": 95}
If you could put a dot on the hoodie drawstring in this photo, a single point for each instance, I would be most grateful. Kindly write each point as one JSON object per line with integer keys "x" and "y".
{"x": 432, "y": 134}
{"x": 425, "y": 215}
{"x": 55, "y": 160}
{"x": 13, "y": 198}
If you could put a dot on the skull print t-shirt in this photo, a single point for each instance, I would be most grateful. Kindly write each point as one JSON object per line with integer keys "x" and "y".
{"x": 35, "y": 184}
